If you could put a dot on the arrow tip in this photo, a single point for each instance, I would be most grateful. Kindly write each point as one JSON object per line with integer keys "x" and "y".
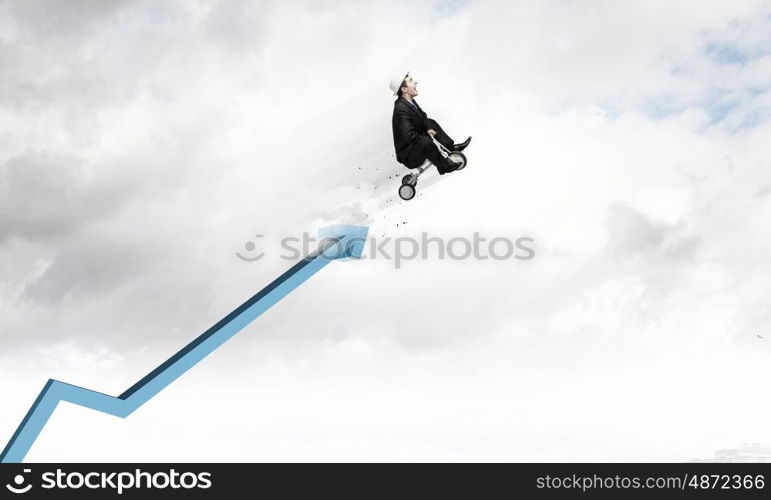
{"x": 350, "y": 244}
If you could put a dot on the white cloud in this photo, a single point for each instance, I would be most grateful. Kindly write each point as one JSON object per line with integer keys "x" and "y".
{"x": 144, "y": 144}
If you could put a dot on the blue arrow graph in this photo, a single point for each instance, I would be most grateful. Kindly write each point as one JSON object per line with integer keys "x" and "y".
{"x": 337, "y": 242}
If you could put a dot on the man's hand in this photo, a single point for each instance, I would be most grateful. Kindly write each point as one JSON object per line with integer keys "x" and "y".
{"x": 431, "y": 132}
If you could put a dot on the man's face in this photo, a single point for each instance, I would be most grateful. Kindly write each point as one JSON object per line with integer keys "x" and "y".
{"x": 411, "y": 87}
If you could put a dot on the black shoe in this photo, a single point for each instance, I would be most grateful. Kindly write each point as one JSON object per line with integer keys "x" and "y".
{"x": 451, "y": 167}
{"x": 462, "y": 145}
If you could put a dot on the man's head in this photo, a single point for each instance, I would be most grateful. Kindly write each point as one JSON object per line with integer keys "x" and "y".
{"x": 404, "y": 86}
{"x": 408, "y": 88}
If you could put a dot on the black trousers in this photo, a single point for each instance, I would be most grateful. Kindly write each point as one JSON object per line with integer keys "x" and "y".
{"x": 425, "y": 149}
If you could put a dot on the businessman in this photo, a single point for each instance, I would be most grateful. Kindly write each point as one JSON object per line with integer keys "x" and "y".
{"x": 413, "y": 130}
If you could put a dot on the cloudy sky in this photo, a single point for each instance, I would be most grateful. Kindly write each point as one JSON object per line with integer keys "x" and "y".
{"x": 143, "y": 144}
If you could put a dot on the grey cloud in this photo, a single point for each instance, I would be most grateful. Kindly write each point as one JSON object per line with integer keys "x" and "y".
{"x": 241, "y": 24}
{"x": 84, "y": 56}
{"x": 129, "y": 254}
{"x": 52, "y": 21}
{"x": 46, "y": 196}
{"x": 42, "y": 196}
{"x": 46, "y": 54}
{"x": 87, "y": 266}
{"x": 632, "y": 232}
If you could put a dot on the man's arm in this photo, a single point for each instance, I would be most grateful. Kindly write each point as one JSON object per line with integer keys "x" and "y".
{"x": 431, "y": 126}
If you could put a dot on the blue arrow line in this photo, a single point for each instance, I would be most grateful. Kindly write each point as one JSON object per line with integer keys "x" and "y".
{"x": 338, "y": 242}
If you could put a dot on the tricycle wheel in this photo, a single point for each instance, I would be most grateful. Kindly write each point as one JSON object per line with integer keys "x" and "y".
{"x": 406, "y": 192}
{"x": 458, "y": 157}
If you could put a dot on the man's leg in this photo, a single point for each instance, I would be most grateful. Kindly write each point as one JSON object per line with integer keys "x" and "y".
{"x": 441, "y": 136}
{"x": 426, "y": 149}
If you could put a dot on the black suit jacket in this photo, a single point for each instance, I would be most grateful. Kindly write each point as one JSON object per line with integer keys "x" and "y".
{"x": 409, "y": 124}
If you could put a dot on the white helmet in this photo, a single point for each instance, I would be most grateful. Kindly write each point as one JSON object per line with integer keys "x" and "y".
{"x": 396, "y": 82}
